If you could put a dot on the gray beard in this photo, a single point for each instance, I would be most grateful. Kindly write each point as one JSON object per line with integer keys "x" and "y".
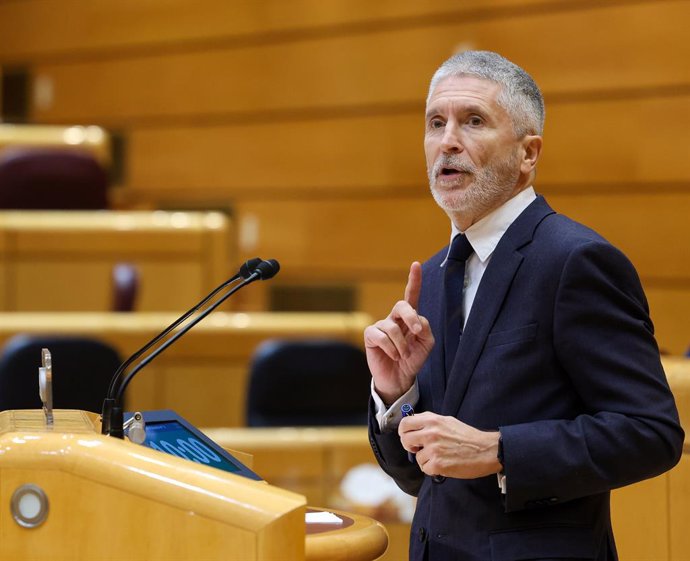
{"x": 491, "y": 186}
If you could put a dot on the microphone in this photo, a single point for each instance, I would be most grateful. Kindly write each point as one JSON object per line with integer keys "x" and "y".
{"x": 268, "y": 269}
{"x": 112, "y": 414}
{"x": 248, "y": 267}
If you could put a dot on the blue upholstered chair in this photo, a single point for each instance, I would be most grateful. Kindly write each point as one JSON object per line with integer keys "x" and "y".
{"x": 82, "y": 368}
{"x": 308, "y": 383}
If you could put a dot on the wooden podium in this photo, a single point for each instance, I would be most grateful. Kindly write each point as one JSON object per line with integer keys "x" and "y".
{"x": 69, "y": 493}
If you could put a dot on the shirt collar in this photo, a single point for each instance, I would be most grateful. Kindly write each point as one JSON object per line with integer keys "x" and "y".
{"x": 485, "y": 234}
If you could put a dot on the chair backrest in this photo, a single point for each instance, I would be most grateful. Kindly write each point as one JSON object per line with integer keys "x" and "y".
{"x": 125, "y": 287}
{"x": 51, "y": 179}
{"x": 82, "y": 368}
{"x": 308, "y": 383}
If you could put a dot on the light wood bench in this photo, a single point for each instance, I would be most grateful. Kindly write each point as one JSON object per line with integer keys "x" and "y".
{"x": 63, "y": 260}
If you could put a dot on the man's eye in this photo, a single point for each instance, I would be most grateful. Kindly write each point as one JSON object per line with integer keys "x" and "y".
{"x": 475, "y": 121}
{"x": 436, "y": 124}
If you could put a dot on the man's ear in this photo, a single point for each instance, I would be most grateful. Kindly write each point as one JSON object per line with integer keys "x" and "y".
{"x": 531, "y": 150}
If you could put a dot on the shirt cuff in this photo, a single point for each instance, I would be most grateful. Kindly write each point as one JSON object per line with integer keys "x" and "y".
{"x": 389, "y": 418}
{"x": 502, "y": 483}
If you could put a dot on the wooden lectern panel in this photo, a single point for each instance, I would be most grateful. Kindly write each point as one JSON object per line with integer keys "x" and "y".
{"x": 111, "y": 499}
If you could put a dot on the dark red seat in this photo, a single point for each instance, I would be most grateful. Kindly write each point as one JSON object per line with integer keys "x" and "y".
{"x": 51, "y": 179}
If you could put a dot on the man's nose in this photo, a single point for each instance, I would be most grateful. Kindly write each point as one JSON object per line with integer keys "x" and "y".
{"x": 451, "y": 143}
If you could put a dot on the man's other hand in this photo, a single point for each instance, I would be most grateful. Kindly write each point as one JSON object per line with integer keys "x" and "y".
{"x": 446, "y": 446}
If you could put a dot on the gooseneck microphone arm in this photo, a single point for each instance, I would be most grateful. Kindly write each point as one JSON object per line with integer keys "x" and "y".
{"x": 112, "y": 415}
{"x": 245, "y": 271}
{"x": 177, "y": 335}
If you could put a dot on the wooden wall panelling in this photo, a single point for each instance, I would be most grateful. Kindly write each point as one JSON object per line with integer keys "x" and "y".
{"x": 644, "y": 535}
{"x": 378, "y": 297}
{"x": 374, "y": 241}
{"x": 257, "y": 298}
{"x": 219, "y": 389}
{"x": 586, "y": 143}
{"x": 670, "y": 309}
{"x": 388, "y": 67}
{"x": 593, "y": 142}
{"x": 679, "y": 478}
{"x": 347, "y": 239}
{"x": 637, "y": 223}
{"x": 680, "y": 506}
{"x": 364, "y": 238}
{"x": 677, "y": 374}
{"x": 32, "y": 28}
{"x": 219, "y": 386}
{"x": 314, "y": 157}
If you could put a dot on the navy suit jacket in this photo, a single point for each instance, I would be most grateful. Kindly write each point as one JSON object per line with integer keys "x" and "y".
{"x": 558, "y": 353}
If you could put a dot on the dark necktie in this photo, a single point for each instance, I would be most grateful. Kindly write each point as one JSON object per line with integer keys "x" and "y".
{"x": 454, "y": 280}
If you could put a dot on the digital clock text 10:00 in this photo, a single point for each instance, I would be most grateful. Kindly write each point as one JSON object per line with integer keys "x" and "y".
{"x": 189, "y": 449}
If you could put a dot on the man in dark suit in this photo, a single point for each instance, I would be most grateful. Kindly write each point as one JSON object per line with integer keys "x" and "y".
{"x": 535, "y": 377}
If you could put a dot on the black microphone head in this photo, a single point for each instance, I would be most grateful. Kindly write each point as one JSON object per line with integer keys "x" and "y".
{"x": 249, "y": 266}
{"x": 268, "y": 269}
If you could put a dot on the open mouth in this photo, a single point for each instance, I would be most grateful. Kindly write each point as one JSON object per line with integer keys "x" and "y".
{"x": 450, "y": 169}
{"x": 451, "y": 173}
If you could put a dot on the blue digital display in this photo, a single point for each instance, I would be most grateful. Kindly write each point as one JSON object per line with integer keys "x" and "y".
{"x": 169, "y": 433}
{"x": 172, "y": 438}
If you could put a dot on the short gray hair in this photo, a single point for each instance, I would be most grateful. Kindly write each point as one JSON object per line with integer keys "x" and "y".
{"x": 519, "y": 96}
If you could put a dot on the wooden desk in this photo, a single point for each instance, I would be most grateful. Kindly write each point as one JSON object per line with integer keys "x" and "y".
{"x": 358, "y": 538}
{"x": 165, "y": 508}
{"x": 63, "y": 260}
{"x": 203, "y": 377}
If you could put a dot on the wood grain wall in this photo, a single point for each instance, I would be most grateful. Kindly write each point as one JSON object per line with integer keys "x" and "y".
{"x": 303, "y": 119}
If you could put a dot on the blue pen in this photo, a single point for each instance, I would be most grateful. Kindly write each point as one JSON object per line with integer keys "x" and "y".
{"x": 407, "y": 411}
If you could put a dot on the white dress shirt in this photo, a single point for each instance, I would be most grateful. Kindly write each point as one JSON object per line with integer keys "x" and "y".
{"x": 484, "y": 236}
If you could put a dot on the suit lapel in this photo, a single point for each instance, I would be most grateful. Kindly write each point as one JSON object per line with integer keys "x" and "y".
{"x": 494, "y": 287}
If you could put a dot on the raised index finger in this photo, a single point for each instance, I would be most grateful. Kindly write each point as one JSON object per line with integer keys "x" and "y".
{"x": 414, "y": 285}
